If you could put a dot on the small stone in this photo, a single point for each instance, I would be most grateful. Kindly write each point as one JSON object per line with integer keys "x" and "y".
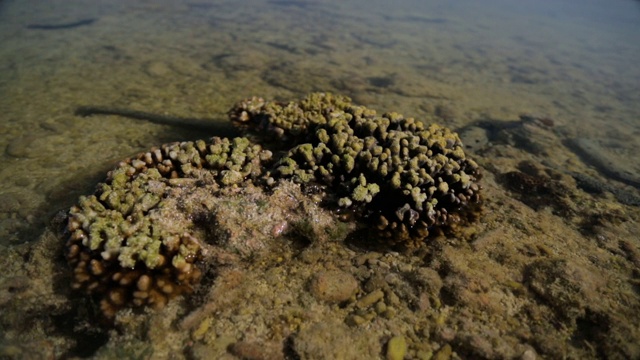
{"x": 333, "y": 286}
{"x": 529, "y": 354}
{"x": 370, "y": 315}
{"x": 370, "y": 299}
{"x": 564, "y": 285}
{"x": 21, "y": 147}
{"x": 444, "y": 353}
{"x": 389, "y": 313}
{"x": 330, "y": 340}
{"x": 393, "y": 299}
{"x": 355, "y": 320}
{"x": 257, "y": 350}
{"x": 620, "y": 164}
{"x": 157, "y": 69}
{"x": 396, "y": 348}
{"x": 202, "y": 329}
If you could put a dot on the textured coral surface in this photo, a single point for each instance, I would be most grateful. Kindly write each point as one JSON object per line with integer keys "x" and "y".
{"x": 391, "y": 171}
{"x": 126, "y": 247}
{"x": 403, "y": 176}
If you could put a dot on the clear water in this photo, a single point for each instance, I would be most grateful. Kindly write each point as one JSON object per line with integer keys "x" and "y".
{"x": 465, "y": 60}
{"x": 574, "y": 62}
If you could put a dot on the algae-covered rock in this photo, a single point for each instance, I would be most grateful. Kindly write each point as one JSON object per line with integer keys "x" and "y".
{"x": 333, "y": 286}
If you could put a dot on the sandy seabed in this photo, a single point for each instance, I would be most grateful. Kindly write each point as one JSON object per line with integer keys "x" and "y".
{"x": 550, "y": 270}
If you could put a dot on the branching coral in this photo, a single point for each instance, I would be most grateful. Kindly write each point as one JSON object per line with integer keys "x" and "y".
{"x": 390, "y": 171}
{"x": 123, "y": 247}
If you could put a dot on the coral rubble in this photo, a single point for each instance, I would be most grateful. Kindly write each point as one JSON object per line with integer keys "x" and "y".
{"x": 405, "y": 178}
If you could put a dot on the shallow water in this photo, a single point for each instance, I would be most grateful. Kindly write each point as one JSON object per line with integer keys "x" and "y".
{"x": 574, "y": 63}
{"x": 458, "y": 61}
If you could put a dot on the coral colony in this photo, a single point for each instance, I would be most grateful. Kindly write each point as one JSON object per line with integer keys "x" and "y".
{"x": 403, "y": 178}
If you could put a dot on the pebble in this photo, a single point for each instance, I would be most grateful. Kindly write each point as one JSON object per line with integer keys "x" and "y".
{"x": 444, "y": 353}
{"x": 355, "y": 320}
{"x": 333, "y": 286}
{"x": 365, "y": 258}
{"x": 393, "y": 299}
{"x": 396, "y": 348}
{"x": 42, "y": 146}
{"x": 389, "y": 313}
{"x": 257, "y": 350}
{"x": 10, "y": 202}
{"x": 593, "y": 185}
{"x": 202, "y": 329}
{"x": 429, "y": 279}
{"x": 529, "y": 354}
{"x": 332, "y": 340}
{"x": 564, "y": 285}
{"x": 370, "y": 299}
{"x": 380, "y": 307}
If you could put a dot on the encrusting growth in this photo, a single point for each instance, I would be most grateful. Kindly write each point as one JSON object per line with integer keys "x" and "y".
{"x": 390, "y": 171}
